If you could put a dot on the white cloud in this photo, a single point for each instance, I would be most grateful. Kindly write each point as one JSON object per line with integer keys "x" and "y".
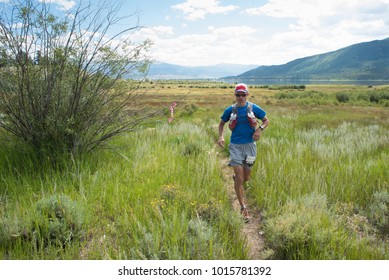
{"x": 235, "y": 32}
{"x": 274, "y": 33}
{"x": 198, "y": 9}
{"x": 155, "y": 34}
{"x": 163, "y": 30}
{"x": 218, "y": 45}
{"x": 357, "y": 27}
{"x": 312, "y": 12}
{"x": 298, "y": 8}
{"x": 321, "y": 26}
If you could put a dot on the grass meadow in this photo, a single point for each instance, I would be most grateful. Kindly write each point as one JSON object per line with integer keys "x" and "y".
{"x": 321, "y": 181}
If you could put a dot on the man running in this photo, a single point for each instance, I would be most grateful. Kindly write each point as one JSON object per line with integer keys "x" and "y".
{"x": 243, "y": 117}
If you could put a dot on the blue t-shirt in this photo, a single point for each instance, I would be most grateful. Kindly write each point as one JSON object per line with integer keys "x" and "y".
{"x": 243, "y": 132}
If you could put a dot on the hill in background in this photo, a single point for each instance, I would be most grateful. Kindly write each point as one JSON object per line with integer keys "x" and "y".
{"x": 367, "y": 61}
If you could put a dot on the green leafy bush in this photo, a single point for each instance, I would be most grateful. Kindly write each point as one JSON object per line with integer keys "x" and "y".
{"x": 296, "y": 226}
{"x": 379, "y": 211}
{"x": 58, "y": 221}
{"x": 58, "y": 94}
{"x": 342, "y": 97}
{"x": 189, "y": 110}
{"x": 306, "y": 228}
{"x": 378, "y": 96}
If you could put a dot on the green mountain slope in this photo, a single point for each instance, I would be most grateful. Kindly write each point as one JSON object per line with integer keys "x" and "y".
{"x": 363, "y": 61}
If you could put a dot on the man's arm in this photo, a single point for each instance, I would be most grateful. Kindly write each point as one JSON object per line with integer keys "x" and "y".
{"x": 220, "y": 142}
{"x": 265, "y": 123}
{"x": 257, "y": 133}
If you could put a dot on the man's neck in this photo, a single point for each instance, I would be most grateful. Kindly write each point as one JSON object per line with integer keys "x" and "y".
{"x": 241, "y": 104}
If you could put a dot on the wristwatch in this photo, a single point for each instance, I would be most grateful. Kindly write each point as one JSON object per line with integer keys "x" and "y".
{"x": 261, "y": 127}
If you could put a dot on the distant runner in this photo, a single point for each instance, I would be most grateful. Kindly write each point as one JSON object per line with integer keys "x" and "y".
{"x": 242, "y": 117}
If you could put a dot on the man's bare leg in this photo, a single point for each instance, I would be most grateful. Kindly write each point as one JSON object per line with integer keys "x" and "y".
{"x": 238, "y": 186}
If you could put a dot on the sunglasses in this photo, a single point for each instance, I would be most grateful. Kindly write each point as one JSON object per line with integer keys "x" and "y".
{"x": 240, "y": 95}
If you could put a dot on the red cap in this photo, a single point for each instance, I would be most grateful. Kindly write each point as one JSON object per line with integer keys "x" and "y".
{"x": 241, "y": 88}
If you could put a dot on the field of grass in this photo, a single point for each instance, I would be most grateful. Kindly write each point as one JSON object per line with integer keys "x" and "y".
{"x": 321, "y": 181}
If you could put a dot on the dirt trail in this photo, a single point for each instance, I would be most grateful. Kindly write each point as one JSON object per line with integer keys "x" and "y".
{"x": 252, "y": 230}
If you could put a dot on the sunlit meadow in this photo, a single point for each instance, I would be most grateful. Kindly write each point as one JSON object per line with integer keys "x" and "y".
{"x": 321, "y": 182}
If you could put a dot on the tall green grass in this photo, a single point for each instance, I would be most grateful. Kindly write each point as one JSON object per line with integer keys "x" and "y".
{"x": 316, "y": 183}
{"x": 320, "y": 180}
{"x": 155, "y": 194}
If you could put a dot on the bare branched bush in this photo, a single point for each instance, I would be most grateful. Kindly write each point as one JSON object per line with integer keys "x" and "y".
{"x": 61, "y": 74}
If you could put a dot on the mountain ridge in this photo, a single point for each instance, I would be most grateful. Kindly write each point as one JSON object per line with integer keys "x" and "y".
{"x": 366, "y": 61}
{"x": 362, "y": 61}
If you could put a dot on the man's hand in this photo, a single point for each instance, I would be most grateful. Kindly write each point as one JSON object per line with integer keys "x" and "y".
{"x": 220, "y": 142}
{"x": 257, "y": 134}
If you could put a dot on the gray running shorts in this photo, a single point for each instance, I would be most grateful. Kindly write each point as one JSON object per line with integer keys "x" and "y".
{"x": 242, "y": 154}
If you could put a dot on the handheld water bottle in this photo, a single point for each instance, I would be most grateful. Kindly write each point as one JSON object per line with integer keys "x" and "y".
{"x": 233, "y": 121}
{"x": 252, "y": 119}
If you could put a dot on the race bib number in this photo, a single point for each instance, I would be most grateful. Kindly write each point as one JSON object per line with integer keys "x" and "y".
{"x": 250, "y": 160}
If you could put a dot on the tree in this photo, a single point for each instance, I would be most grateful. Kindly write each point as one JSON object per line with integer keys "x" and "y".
{"x": 61, "y": 87}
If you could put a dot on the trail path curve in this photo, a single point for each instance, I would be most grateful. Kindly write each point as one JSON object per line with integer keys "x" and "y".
{"x": 252, "y": 231}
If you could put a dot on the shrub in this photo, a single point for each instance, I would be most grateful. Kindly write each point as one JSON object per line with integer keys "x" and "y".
{"x": 378, "y": 96}
{"x": 71, "y": 97}
{"x": 374, "y": 98}
{"x": 286, "y": 95}
{"x": 10, "y": 228}
{"x": 296, "y": 227}
{"x": 58, "y": 221}
{"x": 342, "y": 97}
{"x": 189, "y": 110}
{"x": 379, "y": 211}
{"x": 384, "y": 103}
{"x": 307, "y": 228}
{"x": 193, "y": 148}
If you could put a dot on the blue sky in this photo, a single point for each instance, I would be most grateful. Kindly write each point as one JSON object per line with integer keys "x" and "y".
{"x": 260, "y": 32}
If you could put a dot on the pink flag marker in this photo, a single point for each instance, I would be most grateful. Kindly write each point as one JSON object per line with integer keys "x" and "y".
{"x": 172, "y": 111}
